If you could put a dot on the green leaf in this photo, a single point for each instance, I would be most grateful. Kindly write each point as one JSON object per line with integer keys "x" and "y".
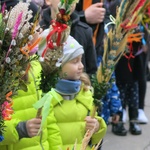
{"x": 40, "y": 103}
{"x": 46, "y": 109}
{"x": 44, "y": 102}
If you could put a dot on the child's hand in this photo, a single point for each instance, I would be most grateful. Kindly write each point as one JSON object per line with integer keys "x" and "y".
{"x": 115, "y": 118}
{"x": 33, "y": 126}
{"x": 91, "y": 123}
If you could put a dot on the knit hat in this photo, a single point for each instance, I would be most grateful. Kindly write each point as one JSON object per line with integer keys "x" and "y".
{"x": 71, "y": 49}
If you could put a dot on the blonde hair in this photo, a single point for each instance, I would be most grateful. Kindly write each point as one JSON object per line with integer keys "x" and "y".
{"x": 86, "y": 83}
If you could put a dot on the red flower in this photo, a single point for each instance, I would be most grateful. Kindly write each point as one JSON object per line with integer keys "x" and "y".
{"x": 62, "y": 11}
{"x": 148, "y": 11}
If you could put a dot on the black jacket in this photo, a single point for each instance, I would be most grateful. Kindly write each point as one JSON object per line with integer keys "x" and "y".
{"x": 100, "y": 33}
{"x": 83, "y": 34}
{"x": 113, "y": 4}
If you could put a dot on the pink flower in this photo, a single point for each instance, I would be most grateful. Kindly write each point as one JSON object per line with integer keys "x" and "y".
{"x": 3, "y": 8}
{"x": 7, "y": 110}
{"x": 16, "y": 26}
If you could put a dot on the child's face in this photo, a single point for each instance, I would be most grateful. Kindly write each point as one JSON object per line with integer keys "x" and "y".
{"x": 73, "y": 69}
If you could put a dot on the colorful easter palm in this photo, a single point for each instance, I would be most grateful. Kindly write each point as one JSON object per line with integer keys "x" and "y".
{"x": 129, "y": 15}
{"x": 16, "y": 33}
{"x": 146, "y": 18}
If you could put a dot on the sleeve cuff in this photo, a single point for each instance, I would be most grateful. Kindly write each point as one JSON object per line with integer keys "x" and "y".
{"x": 22, "y": 131}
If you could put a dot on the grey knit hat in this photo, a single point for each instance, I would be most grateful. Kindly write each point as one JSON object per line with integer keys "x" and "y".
{"x": 71, "y": 50}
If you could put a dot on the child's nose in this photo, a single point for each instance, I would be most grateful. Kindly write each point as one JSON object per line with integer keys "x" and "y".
{"x": 81, "y": 65}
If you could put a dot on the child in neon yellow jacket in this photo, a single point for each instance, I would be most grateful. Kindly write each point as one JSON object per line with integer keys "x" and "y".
{"x": 21, "y": 131}
{"x": 72, "y": 100}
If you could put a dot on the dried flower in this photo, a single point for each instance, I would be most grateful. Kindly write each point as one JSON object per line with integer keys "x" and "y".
{"x": 8, "y": 60}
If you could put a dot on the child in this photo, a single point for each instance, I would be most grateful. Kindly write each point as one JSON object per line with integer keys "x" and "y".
{"x": 21, "y": 131}
{"x": 112, "y": 107}
{"x": 72, "y": 100}
{"x": 128, "y": 87}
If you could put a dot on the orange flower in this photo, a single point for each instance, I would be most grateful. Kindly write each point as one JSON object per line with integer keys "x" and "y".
{"x": 25, "y": 50}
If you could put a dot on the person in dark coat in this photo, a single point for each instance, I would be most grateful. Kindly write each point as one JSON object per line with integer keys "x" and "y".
{"x": 93, "y": 13}
{"x": 129, "y": 72}
{"x": 141, "y": 62}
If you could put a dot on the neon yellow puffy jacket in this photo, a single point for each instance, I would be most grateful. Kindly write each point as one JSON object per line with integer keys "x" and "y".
{"x": 70, "y": 115}
{"x": 23, "y": 110}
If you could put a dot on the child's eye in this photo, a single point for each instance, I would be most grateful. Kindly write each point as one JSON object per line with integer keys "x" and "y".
{"x": 75, "y": 60}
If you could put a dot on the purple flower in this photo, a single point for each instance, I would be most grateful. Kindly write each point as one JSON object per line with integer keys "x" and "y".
{"x": 3, "y": 8}
{"x": 16, "y": 26}
{"x": 33, "y": 51}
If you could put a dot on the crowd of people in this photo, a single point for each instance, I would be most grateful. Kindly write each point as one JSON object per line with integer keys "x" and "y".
{"x": 70, "y": 120}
